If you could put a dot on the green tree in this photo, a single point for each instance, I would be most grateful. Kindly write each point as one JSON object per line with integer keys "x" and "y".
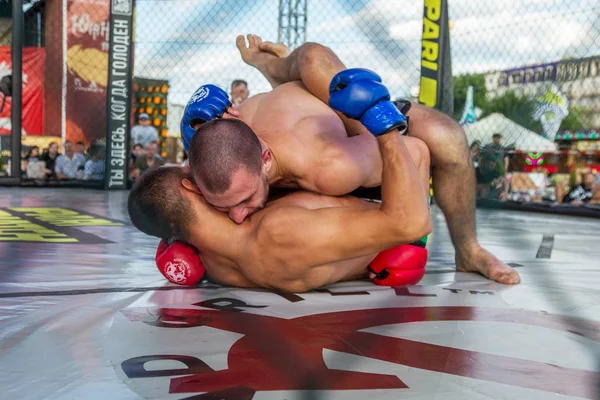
{"x": 461, "y": 84}
{"x": 517, "y": 108}
{"x": 579, "y": 118}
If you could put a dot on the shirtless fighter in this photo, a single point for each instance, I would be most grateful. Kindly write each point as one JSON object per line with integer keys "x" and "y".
{"x": 304, "y": 144}
{"x": 300, "y": 241}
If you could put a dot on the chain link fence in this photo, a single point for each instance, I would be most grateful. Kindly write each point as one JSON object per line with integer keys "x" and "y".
{"x": 526, "y": 70}
{"x": 534, "y": 70}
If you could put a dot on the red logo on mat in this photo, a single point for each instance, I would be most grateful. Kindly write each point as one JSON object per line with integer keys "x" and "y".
{"x": 287, "y": 354}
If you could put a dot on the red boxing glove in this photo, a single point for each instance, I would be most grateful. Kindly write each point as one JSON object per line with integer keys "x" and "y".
{"x": 399, "y": 266}
{"x": 179, "y": 263}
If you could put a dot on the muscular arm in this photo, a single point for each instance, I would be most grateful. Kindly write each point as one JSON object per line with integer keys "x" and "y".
{"x": 339, "y": 164}
{"x": 299, "y": 239}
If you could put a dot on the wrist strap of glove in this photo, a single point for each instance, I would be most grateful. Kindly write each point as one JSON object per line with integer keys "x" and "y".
{"x": 382, "y": 118}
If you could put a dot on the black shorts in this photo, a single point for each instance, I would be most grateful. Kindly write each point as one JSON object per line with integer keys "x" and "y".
{"x": 404, "y": 107}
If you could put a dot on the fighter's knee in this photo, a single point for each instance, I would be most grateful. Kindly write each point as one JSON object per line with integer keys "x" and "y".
{"x": 312, "y": 53}
{"x": 436, "y": 128}
{"x": 450, "y": 131}
{"x": 447, "y": 142}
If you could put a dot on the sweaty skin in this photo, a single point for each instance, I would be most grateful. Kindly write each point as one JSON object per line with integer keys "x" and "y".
{"x": 243, "y": 271}
{"x": 452, "y": 168}
{"x": 269, "y": 250}
{"x": 309, "y": 149}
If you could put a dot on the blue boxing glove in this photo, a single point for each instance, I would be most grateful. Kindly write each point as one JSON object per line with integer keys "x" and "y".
{"x": 207, "y": 103}
{"x": 359, "y": 94}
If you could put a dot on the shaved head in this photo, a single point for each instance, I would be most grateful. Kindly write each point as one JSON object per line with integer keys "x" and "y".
{"x": 157, "y": 207}
{"x": 221, "y": 147}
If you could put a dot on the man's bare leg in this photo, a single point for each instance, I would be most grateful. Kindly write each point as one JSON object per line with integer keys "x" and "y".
{"x": 454, "y": 190}
{"x": 453, "y": 172}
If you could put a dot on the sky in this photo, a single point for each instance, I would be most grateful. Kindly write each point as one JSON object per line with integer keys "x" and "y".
{"x": 192, "y": 42}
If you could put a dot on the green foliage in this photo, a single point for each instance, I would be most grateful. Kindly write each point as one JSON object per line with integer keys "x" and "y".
{"x": 461, "y": 84}
{"x": 517, "y": 108}
{"x": 579, "y": 118}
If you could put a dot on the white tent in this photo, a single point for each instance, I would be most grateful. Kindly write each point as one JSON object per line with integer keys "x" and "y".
{"x": 523, "y": 138}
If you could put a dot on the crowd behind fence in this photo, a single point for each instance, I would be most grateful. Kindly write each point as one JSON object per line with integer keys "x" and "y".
{"x": 528, "y": 71}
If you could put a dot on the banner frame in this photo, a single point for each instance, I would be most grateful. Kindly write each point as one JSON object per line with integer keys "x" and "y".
{"x": 119, "y": 90}
{"x": 435, "y": 84}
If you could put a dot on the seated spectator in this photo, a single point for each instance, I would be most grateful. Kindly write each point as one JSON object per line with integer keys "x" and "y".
{"x": 69, "y": 164}
{"x": 143, "y": 133}
{"x": 136, "y": 152}
{"x": 80, "y": 149}
{"x": 94, "y": 167}
{"x": 33, "y": 167}
{"x": 146, "y": 161}
{"x": 156, "y": 148}
{"x": 583, "y": 192}
{"x": 49, "y": 158}
{"x": 529, "y": 186}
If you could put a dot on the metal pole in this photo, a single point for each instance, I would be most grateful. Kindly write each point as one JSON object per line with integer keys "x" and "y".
{"x": 296, "y": 4}
{"x": 289, "y": 23}
{"x": 17, "y": 75}
{"x": 305, "y": 20}
{"x": 280, "y": 30}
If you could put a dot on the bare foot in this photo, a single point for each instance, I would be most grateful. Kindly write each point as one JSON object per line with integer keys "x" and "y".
{"x": 480, "y": 260}
{"x": 277, "y": 49}
{"x": 263, "y": 56}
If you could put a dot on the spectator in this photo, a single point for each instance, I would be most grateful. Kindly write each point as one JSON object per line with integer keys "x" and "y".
{"x": 143, "y": 133}
{"x": 583, "y": 192}
{"x": 80, "y": 149}
{"x": 148, "y": 160}
{"x": 497, "y": 150}
{"x": 492, "y": 182}
{"x": 474, "y": 150}
{"x": 49, "y": 157}
{"x": 239, "y": 91}
{"x": 156, "y": 150}
{"x": 138, "y": 150}
{"x": 68, "y": 165}
{"x": 94, "y": 167}
{"x": 32, "y": 166}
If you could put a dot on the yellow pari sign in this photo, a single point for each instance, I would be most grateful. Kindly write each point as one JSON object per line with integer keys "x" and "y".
{"x": 49, "y": 225}
{"x": 430, "y": 53}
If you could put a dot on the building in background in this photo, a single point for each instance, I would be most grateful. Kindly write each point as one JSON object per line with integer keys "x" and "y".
{"x": 577, "y": 79}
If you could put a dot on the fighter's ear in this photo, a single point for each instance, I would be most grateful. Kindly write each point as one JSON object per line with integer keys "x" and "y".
{"x": 191, "y": 186}
{"x": 267, "y": 159}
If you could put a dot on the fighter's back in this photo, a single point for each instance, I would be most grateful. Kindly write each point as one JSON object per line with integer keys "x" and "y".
{"x": 297, "y": 127}
{"x": 241, "y": 272}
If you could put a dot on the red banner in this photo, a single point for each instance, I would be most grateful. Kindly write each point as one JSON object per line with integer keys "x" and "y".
{"x": 33, "y": 90}
{"x": 87, "y": 69}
